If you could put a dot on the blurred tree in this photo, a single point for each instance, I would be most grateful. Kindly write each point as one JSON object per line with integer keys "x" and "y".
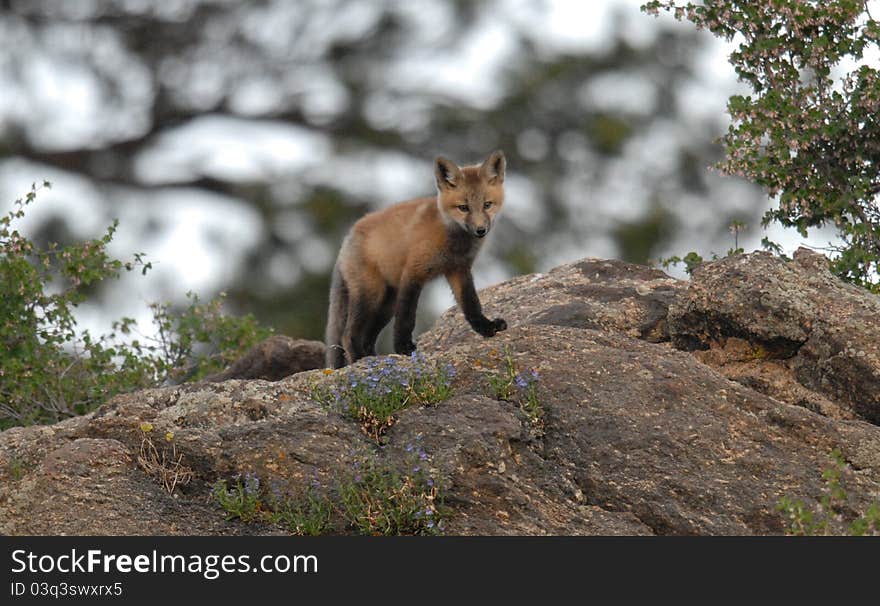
{"x": 602, "y": 142}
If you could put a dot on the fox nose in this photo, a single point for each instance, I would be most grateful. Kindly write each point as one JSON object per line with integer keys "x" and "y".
{"x": 482, "y": 231}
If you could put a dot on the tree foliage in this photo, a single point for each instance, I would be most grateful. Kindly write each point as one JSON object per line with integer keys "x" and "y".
{"x": 809, "y": 132}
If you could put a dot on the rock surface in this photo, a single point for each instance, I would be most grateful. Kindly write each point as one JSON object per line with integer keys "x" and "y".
{"x": 669, "y": 408}
{"x": 827, "y": 332}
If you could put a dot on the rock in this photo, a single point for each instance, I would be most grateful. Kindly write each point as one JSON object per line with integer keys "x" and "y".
{"x": 275, "y": 358}
{"x": 824, "y": 333}
{"x": 638, "y": 437}
{"x": 91, "y": 486}
{"x": 592, "y": 293}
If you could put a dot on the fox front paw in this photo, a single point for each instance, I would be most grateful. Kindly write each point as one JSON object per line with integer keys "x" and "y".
{"x": 488, "y": 327}
{"x": 404, "y": 348}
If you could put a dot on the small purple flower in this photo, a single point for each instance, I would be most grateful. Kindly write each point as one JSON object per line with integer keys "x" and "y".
{"x": 521, "y": 382}
{"x": 429, "y": 512}
{"x": 430, "y": 524}
{"x": 357, "y": 478}
{"x": 276, "y": 490}
{"x": 423, "y": 456}
{"x": 534, "y": 374}
{"x": 409, "y": 448}
{"x": 251, "y": 484}
{"x": 417, "y": 469}
{"x": 430, "y": 482}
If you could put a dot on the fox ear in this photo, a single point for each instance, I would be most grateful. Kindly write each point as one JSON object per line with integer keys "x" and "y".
{"x": 447, "y": 172}
{"x": 493, "y": 167}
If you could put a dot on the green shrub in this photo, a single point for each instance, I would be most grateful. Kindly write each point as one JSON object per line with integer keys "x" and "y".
{"x": 51, "y": 369}
{"x": 808, "y": 132}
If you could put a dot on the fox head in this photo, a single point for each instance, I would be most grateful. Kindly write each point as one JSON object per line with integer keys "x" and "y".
{"x": 471, "y": 196}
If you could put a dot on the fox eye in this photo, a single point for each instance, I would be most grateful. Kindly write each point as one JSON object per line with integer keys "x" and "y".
{"x": 487, "y": 204}
{"x": 463, "y": 208}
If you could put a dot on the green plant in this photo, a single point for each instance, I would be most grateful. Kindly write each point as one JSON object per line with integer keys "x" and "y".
{"x": 507, "y": 383}
{"x": 195, "y": 341}
{"x": 388, "y": 386}
{"x": 376, "y": 499}
{"x": 16, "y": 469}
{"x": 809, "y": 132}
{"x": 690, "y": 260}
{"x": 371, "y": 497}
{"x": 826, "y": 518}
{"x": 693, "y": 259}
{"x": 242, "y": 500}
{"x": 50, "y": 368}
{"x": 308, "y": 514}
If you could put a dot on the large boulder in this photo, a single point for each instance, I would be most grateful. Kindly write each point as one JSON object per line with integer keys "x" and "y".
{"x": 640, "y": 435}
{"x": 822, "y": 332}
{"x": 598, "y": 294}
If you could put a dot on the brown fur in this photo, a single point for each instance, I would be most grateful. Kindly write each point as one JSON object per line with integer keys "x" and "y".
{"x": 389, "y": 254}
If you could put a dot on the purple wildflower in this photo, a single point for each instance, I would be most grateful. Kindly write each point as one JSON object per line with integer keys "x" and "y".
{"x": 251, "y": 484}
{"x": 276, "y": 490}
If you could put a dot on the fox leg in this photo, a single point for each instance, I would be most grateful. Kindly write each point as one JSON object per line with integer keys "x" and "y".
{"x": 365, "y": 304}
{"x": 337, "y": 316}
{"x": 405, "y": 316}
{"x": 380, "y": 319}
{"x": 462, "y": 283}
{"x": 360, "y": 317}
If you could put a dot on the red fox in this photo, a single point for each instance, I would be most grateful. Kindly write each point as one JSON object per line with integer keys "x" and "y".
{"x": 389, "y": 255}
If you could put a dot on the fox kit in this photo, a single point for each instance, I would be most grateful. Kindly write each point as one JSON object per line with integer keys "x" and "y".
{"x": 389, "y": 255}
